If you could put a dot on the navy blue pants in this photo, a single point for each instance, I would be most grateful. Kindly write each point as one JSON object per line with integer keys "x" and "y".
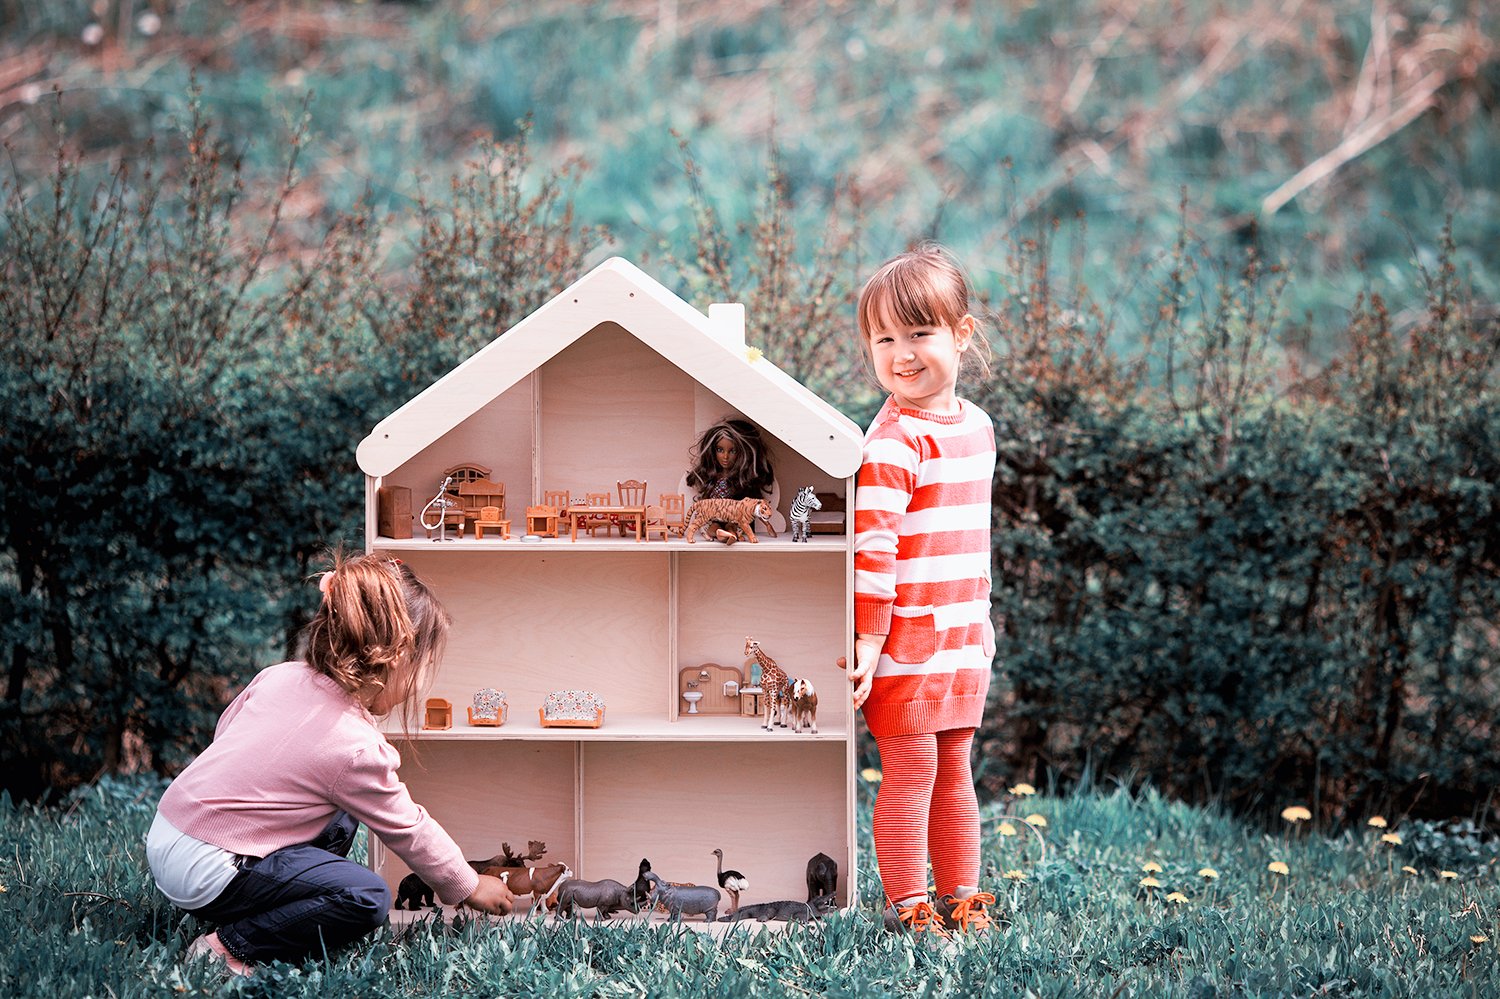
{"x": 300, "y": 900}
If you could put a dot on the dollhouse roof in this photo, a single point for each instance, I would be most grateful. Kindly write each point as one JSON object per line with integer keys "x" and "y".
{"x": 710, "y": 349}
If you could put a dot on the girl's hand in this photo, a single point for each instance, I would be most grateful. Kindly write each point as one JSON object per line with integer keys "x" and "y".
{"x": 491, "y": 895}
{"x": 866, "y": 655}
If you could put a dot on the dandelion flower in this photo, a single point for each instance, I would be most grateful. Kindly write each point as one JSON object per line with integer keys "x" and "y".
{"x": 1149, "y": 882}
{"x": 1023, "y": 790}
{"x": 1208, "y": 873}
{"x": 1378, "y": 821}
{"x": 1278, "y": 867}
{"x": 1040, "y": 821}
{"x": 753, "y": 354}
{"x": 1392, "y": 838}
{"x": 1296, "y": 813}
{"x": 1016, "y": 875}
{"x": 1409, "y": 869}
{"x": 1479, "y": 938}
{"x": 1151, "y": 867}
{"x": 870, "y": 774}
{"x": 1177, "y": 897}
{"x": 1006, "y": 829}
{"x": 1447, "y": 875}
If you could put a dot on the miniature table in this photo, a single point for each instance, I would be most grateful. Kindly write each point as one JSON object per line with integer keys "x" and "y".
{"x": 577, "y": 511}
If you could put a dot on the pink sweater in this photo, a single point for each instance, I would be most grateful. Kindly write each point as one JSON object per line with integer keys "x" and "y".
{"x": 922, "y": 567}
{"x": 291, "y": 750}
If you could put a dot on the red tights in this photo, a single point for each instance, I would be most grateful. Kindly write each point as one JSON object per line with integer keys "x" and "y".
{"x": 926, "y": 806}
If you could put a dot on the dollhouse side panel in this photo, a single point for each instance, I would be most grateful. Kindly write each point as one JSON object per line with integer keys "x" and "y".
{"x": 531, "y": 623}
{"x": 769, "y": 805}
{"x": 488, "y": 793}
{"x": 611, "y": 408}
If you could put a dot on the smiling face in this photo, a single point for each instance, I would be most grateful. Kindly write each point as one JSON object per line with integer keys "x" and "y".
{"x": 917, "y": 363}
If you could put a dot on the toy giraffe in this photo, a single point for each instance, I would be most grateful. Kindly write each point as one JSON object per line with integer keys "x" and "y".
{"x": 773, "y": 684}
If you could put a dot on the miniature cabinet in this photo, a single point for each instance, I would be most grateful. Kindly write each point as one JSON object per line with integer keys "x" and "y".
{"x": 611, "y": 381}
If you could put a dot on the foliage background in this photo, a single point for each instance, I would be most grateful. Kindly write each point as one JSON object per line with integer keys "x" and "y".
{"x": 1245, "y": 515}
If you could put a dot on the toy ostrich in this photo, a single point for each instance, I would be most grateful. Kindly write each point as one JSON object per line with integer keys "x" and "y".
{"x": 731, "y": 881}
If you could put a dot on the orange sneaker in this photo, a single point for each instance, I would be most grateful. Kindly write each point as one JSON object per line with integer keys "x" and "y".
{"x": 919, "y": 917}
{"x": 969, "y": 915}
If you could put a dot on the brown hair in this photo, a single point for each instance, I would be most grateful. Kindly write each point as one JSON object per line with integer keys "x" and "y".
{"x": 379, "y": 627}
{"x": 925, "y": 286}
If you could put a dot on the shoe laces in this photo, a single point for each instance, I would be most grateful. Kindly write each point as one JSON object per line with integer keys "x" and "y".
{"x": 970, "y": 913}
{"x": 921, "y": 917}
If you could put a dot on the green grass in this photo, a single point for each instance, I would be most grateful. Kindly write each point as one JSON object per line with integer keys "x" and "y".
{"x": 80, "y": 917}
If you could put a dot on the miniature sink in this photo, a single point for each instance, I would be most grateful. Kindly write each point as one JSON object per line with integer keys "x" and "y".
{"x": 693, "y": 697}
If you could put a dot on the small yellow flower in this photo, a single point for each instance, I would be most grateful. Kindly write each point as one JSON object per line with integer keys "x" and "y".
{"x": 1296, "y": 813}
{"x": 1479, "y": 938}
{"x": 1409, "y": 869}
{"x": 1448, "y": 875}
{"x": 1392, "y": 838}
{"x": 1149, "y": 882}
{"x": 1023, "y": 790}
{"x": 1378, "y": 821}
{"x": 1006, "y": 829}
{"x": 1151, "y": 867}
{"x": 753, "y": 354}
{"x": 870, "y": 774}
{"x": 1207, "y": 873}
{"x": 1040, "y": 821}
{"x": 1016, "y": 875}
{"x": 1278, "y": 867}
{"x": 1177, "y": 897}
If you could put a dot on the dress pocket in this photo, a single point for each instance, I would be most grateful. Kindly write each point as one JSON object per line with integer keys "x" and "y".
{"x": 913, "y": 637}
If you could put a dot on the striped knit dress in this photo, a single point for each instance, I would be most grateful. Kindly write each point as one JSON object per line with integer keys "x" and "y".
{"x": 922, "y": 567}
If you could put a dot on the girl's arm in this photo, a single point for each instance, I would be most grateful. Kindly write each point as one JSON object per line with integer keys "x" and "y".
{"x": 887, "y": 479}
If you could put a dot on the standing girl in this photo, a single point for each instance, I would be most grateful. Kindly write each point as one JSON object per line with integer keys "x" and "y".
{"x": 924, "y": 641}
{"x": 254, "y": 834}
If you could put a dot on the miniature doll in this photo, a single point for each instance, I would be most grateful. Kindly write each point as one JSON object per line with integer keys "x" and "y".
{"x": 731, "y": 461}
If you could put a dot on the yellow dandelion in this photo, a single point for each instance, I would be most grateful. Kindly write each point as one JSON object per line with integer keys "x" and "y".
{"x": 1016, "y": 875}
{"x": 1378, "y": 821}
{"x": 753, "y": 354}
{"x": 1296, "y": 813}
{"x": 1447, "y": 875}
{"x": 1177, "y": 897}
{"x": 1023, "y": 790}
{"x": 1207, "y": 873}
{"x": 1040, "y": 821}
{"x": 1479, "y": 938}
{"x": 870, "y": 774}
{"x": 1149, "y": 882}
{"x": 1151, "y": 867}
{"x": 1006, "y": 829}
{"x": 1409, "y": 869}
{"x": 1278, "y": 867}
{"x": 1392, "y": 838}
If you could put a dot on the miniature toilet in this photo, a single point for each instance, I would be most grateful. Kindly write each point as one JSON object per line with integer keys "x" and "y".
{"x": 692, "y": 697}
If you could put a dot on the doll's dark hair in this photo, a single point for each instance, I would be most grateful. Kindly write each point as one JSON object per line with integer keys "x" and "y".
{"x": 751, "y": 475}
{"x": 379, "y": 626}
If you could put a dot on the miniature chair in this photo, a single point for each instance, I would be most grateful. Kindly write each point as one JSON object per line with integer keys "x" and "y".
{"x": 632, "y": 493}
{"x": 655, "y": 523}
{"x": 562, "y": 500}
{"x": 674, "y": 508}
{"x": 494, "y": 517}
{"x": 541, "y": 521}
{"x": 591, "y": 522}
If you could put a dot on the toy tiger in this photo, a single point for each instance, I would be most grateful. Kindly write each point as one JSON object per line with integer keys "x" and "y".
{"x": 738, "y": 514}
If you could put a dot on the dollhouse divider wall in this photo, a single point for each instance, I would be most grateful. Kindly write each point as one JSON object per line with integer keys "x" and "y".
{"x": 613, "y": 380}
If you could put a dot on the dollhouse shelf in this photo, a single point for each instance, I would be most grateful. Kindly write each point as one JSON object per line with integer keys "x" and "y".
{"x": 625, "y": 728}
{"x": 822, "y": 543}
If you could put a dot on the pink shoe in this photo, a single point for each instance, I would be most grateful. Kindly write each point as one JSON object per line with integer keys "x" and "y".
{"x": 209, "y": 945}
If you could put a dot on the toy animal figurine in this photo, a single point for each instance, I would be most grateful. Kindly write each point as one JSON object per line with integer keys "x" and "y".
{"x": 604, "y": 897}
{"x": 803, "y": 505}
{"x": 731, "y": 881}
{"x": 419, "y": 895}
{"x": 822, "y": 876}
{"x": 804, "y": 705}
{"x": 538, "y": 882}
{"x": 738, "y": 514}
{"x": 535, "y": 850}
{"x": 787, "y": 910}
{"x": 773, "y": 682}
{"x": 641, "y": 888}
{"x": 685, "y": 900}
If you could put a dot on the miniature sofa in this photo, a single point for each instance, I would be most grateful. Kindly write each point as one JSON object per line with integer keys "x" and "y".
{"x": 572, "y": 709}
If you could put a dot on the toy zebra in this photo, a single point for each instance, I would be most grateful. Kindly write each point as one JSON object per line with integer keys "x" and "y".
{"x": 802, "y": 507}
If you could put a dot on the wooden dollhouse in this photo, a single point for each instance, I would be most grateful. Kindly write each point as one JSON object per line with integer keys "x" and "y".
{"x": 611, "y": 382}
